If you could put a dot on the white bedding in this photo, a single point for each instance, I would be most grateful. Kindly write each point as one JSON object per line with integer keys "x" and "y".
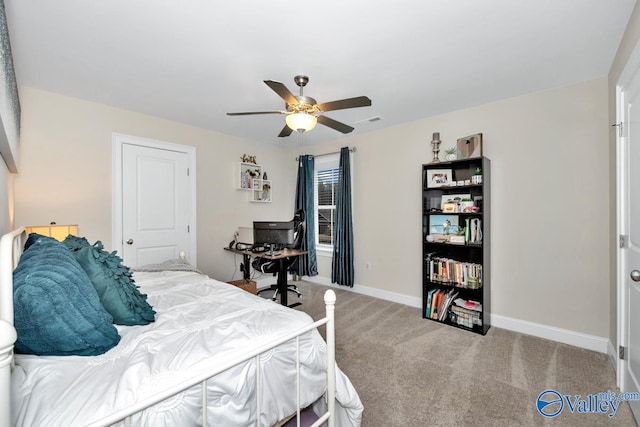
{"x": 200, "y": 323}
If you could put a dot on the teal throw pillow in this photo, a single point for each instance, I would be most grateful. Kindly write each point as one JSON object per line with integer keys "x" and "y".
{"x": 115, "y": 286}
{"x": 75, "y": 243}
{"x": 32, "y": 238}
{"x": 56, "y": 309}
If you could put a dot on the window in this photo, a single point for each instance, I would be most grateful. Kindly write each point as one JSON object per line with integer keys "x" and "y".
{"x": 325, "y": 186}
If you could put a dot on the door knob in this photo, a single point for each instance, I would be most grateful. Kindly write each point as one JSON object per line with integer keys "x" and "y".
{"x": 130, "y": 242}
{"x": 635, "y": 275}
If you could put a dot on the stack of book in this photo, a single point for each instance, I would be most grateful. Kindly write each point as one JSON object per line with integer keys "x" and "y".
{"x": 456, "y": 273}
{"x": 438, "y": 303}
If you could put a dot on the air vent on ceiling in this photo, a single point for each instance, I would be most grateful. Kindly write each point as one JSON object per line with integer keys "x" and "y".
{"x": 369, "y": 120}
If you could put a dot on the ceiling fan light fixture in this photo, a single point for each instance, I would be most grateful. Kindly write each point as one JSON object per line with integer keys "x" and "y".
{"x": 301, "y": 122}
{"x": 303, "y": 112}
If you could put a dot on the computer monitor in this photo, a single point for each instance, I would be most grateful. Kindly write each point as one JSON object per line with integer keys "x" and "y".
{"x": 273, "y": 233}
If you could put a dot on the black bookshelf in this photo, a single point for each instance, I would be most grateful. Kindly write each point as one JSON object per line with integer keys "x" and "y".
{"x": 456, "y": 242}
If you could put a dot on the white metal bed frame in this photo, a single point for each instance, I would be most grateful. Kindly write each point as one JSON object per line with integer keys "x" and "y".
{"x": 11, "y": 246}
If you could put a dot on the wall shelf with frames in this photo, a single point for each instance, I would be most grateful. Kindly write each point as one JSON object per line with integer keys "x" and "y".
{"x": 261, "y": 191}
{"x": 251, "y": 177}
{"x": 246, "y": 174}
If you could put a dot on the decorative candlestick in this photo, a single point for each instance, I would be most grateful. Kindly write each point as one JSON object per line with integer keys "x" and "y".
{"x": 435, "y": 143}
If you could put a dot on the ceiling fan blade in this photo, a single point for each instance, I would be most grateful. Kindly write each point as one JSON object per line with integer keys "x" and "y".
{"x": 250, "y": 113}
{"x": 286, "y": 131}
{"x": 282, "y": 90}
{"x": 359, "y": 101}
{"x": 334, "y": 124}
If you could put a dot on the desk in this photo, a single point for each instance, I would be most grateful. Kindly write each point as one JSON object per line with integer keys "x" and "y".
{"x": 282, "y": 272}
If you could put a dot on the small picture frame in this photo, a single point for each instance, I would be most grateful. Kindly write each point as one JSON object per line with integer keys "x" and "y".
{"x": 439, "y": 178}
{"x": 443, "y": 225}
{"x": 453, "y": 198}
{"x": 450, "y": 207}
{"x": 469, "y": 146}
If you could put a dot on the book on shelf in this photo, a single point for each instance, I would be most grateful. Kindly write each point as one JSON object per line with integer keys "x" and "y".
{"x": 429, "y": 299}
{"x": 432, "y": 303}
{"x": 449, "y": 297}
{"x": 439, "y": 302}
{"x": 436, "y": 302}
{"x": 473, "y": 231}
{"x": 428, "y": 257}
{"x": 455, "y": 273}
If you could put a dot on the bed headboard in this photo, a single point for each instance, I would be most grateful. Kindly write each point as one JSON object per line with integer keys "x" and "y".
{"x": 11, "y": 245}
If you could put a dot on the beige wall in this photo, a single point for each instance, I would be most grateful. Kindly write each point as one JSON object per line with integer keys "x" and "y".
{"x": 550, "y": 216}
{"x": 550, "y": 235}
{"x": 65, "y": 172}
{"x": 628, "y": 43}
{"x": 6, "y": 198}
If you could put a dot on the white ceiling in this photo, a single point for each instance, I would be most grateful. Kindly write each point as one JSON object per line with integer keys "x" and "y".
{"x": 194, "y": 60}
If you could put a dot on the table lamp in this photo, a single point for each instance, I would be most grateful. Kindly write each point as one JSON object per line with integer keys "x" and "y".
{"x": 58, "y": 232}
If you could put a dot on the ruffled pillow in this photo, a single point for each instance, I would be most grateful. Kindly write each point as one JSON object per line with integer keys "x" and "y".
{"x": 75, "y": 243}
{"x": 56, "y": 309}
{"x": 113, "y": 282}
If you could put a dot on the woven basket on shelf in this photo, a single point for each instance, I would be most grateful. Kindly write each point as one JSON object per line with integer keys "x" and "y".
{"x": 464, "y": 317}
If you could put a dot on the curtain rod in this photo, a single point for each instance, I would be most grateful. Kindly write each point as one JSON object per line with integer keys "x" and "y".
{"x": 351, "y": 150}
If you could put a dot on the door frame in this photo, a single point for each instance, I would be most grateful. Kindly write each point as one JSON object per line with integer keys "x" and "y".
{"x": 631, "y": 69}
{"x": 118, "y": 141}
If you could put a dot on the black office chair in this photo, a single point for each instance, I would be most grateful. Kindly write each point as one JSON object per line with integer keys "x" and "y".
{"x": 291, "y": 263}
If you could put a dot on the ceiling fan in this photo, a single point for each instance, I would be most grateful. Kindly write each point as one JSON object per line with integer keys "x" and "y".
{"x": 303, "y": 112}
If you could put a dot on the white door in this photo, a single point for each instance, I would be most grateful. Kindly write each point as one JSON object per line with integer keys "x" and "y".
{"x": 629, "y": 229}
{"x": 157, "y": 209}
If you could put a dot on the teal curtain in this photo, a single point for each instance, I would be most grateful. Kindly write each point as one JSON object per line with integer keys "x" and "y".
{"x": 307, "y": 264}
{"x": 342, "y": 271}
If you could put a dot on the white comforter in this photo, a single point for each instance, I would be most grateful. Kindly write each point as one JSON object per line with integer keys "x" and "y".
{"x": 200, "y": 323}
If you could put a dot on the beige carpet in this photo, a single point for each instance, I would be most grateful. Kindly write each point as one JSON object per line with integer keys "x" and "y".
{"x": 414, "y": 372}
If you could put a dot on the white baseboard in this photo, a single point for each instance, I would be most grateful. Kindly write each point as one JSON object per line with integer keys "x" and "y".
{"x": 578, "y": 339}
{"x": 566, "y": 336}
{"x": 371, "y": 292}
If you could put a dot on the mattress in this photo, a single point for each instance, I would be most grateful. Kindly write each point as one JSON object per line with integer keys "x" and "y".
{"x": 201, "y": 323}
